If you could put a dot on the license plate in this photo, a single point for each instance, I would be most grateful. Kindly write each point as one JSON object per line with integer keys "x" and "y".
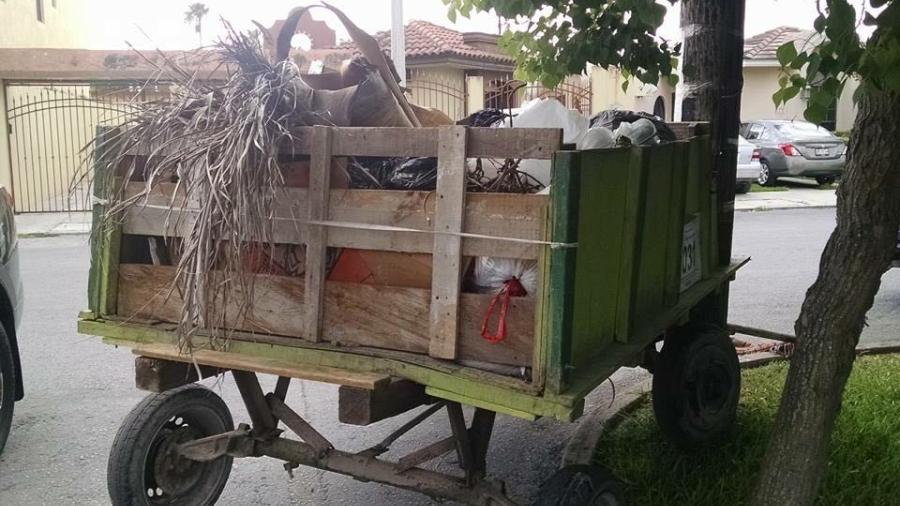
{"x": 821, "y": 151}
{"x": 691, "y": 268}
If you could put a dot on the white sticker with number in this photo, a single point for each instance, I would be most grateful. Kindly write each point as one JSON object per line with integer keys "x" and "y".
{"x": 691, "y": 269}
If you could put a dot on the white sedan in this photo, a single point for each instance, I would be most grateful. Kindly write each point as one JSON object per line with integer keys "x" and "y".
{"x": 747, "y": 165}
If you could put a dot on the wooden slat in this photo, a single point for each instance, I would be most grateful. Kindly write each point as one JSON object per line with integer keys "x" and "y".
{"x": 356, "y": 314}
{"x": 519, "y": 143}
{"x": 316, "y": 240}
{"x": 447, "y": 256}
{"x": 226, "y": 360}
{"x": 488, "y": 214}
{"x": 524, "y": 143}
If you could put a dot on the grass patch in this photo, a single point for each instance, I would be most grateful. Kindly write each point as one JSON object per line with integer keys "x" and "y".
{"x": 863, "y": 465}
{"x": 757, "y": 188}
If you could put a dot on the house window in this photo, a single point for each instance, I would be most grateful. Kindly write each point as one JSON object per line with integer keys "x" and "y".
{"x": 659, "y": 108}
{"x": 39, "y": 4}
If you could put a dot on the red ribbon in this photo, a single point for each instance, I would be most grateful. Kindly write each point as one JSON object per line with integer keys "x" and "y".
{"x": 511, "y": 288}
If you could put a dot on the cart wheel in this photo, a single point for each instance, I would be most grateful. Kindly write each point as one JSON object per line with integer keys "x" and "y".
{"x": 696, "y": 386}
{"x": 581, "y": 485}
{"x": 143, "y": 465}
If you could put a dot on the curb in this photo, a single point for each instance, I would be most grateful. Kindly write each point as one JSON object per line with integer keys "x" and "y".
{"x": 580, "y": 448}
{"x": 782, "y": 208}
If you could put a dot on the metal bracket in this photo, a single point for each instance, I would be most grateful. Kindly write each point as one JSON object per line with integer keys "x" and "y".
{"x": 237, "y": 443}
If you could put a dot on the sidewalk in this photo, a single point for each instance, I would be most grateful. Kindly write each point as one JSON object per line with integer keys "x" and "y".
{"x": 793, "y": 198}
{"x": 43, "y": 224}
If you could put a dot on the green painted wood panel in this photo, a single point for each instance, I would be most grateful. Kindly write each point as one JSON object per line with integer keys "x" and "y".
{"x": 559, "y": 290}
{"x": 603, "y": 219}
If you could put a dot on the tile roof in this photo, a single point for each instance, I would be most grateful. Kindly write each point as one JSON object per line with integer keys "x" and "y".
{"x": 764, "y": 45}
{"x": 428, "y": 40}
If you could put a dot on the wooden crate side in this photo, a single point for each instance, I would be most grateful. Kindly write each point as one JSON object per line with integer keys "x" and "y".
{"x": 635, "y": 190}
{"x": 105, "y": 239}
{"x": 491, "y": 391}
{"x": 653, "y": 234}
{"x": 393, "y": 217}
{"x": 559, "y": 280}
{"x": 355, "y": 314}
{"x": 681, "y": 161}
{"x": 500, "y": 143}
{"x": 446, "y": 280}
{"x": 601, "y": 228}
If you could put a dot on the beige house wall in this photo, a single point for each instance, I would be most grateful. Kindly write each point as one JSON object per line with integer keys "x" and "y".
{"x": 64, "y": 26}
{"x": 760, "y": 83}
{"x": 5, "y": 155}
{"x": 440, "y": 87}
{"x": 607, "y": 93}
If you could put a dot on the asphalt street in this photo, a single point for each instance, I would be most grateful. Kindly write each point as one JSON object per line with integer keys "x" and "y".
{"x": 78, "y": 390}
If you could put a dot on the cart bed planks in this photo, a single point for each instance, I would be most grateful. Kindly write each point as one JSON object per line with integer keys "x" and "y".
{"x": 607, "y": 241}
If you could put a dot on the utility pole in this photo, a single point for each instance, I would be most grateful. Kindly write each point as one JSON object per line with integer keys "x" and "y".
{"x": 398, "y": 40}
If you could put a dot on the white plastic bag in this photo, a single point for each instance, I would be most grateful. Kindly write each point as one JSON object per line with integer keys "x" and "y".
{"x": 548, "y": 113}
{"x": 596, "y": 138}
{"x": 492, "y": 273}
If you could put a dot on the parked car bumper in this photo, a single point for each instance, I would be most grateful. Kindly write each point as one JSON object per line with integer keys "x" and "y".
{"x": 799, "y": 166}
{"x": 748, "y": 172}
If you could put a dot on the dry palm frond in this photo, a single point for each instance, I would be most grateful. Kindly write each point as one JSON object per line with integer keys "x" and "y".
{"x": 221, "y": 143}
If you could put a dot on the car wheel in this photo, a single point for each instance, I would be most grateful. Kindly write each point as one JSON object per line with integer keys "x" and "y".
{"x": 766, "y": 177}
{"x": 823, "y": 180}
{"x": 7, "y": 387}
{"x": 742, "y": 187}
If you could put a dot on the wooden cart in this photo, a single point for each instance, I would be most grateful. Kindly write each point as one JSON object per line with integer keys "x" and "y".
{"x": 625, "y": 243}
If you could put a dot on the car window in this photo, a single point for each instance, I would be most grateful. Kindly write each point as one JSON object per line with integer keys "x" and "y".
{"x": 755, "y": 131}
{"x": 802, "y": 129}
{"x": 767, "y": 134}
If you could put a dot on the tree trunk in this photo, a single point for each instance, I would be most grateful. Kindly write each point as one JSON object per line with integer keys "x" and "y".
{"x": 833, "y": 313}
{"x": 713, "y": 79}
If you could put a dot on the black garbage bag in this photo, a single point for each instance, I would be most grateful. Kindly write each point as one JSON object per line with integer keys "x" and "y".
{"x": 414, "y": 174}
{"x": 393, "y": 173}
{"x": 483, "y": 118}
{"x": 612, "y": 118}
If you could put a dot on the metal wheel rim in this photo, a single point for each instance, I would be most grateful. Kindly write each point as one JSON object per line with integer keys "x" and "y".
{"x": 708, "y": 387}
{"x": 763, "y": 174}
{"x": 152, "y": 485}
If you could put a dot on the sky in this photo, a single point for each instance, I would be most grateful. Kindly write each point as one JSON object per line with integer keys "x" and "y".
{"x": 160, "y": 23}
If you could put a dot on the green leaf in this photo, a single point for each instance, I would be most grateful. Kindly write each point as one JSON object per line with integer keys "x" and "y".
{"x": 673, "y": 80}
{"x": 812, "y": 70}
{"x": 819, "y": 24}
{"x": 786, "y": 53}
{"x": 790, "y": 92}
{"x": 814, "y": 113}
{"x": 798, "y": 81}
{"x": 778, "y": 97}
{"x": 451, "y": 14}
{"x": 625, "y": 86}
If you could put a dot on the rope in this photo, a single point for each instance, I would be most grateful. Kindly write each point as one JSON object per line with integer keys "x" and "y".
{"x": 383, "y": 228}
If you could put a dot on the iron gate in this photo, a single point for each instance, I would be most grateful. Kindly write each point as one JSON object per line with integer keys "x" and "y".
{"x": 50, "y": 126}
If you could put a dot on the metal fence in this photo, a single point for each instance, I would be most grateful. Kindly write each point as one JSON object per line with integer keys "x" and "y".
{"x": 51, "y": 125}
{"x": 446, "y": 93}
{"x": 574, "y": 93}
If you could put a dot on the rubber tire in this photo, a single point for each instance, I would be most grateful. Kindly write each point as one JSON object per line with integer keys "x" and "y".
{"x": 581, "y": 485}
{"x": 8, "y": 402}
{"x": 742, "y": 187}
{"x": 683, "y": 351}
{"x": 771, "y": 179}
{"x": 125, "y": 469}
{"x": 823, "y": 180}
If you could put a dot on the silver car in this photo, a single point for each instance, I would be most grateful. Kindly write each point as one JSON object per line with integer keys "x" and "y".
{"x": 795, "y": 149}
{"x": 748, "y": 166}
